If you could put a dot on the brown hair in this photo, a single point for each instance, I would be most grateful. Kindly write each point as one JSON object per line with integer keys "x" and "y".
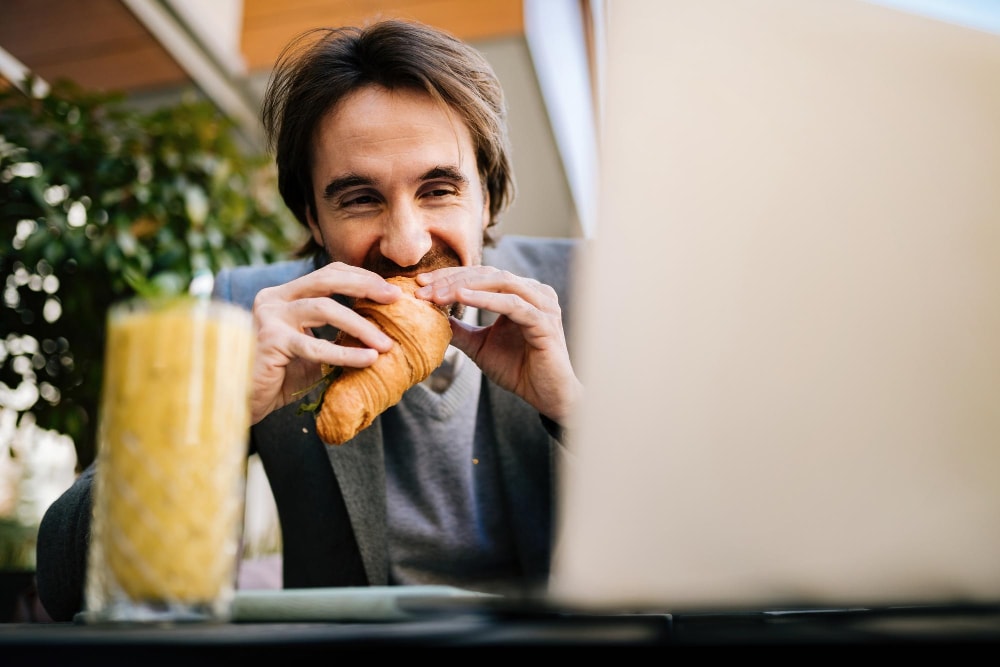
{"x": 321, "y": 66}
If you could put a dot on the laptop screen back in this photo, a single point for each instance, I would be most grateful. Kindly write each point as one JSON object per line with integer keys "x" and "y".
{"x": 790, "y": 333}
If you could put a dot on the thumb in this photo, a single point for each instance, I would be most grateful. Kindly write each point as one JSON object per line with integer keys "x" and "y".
{"x": 465, "y": 336}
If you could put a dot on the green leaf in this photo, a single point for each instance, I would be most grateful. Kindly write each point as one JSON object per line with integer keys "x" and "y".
{"x": 170, "y": 192}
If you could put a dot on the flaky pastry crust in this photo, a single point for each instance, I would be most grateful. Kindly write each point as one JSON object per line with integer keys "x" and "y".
{"x": 358, "y": 395}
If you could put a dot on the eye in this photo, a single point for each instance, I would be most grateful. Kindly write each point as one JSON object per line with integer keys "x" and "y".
{"x": 357, "y": 199}
{"x": 438, "y": 191}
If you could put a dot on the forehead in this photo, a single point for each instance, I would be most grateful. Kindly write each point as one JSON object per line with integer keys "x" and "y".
{"x": 373, "y": 127}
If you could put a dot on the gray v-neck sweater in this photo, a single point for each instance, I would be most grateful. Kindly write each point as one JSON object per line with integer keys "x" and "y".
{"x": 445, "y": 515}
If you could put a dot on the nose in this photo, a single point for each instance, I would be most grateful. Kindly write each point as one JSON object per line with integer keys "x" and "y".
{"x": 405, "y": 237}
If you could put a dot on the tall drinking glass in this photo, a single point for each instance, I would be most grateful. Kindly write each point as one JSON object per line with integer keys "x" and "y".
{"x": 171, "y": 462}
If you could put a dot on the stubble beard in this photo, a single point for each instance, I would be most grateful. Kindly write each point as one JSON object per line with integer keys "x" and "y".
{"x": 438, "y": 257}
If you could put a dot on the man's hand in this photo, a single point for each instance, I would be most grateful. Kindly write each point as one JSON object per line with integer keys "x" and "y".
{"x": 524, "y": 350}
{"x": 289, "y": 356}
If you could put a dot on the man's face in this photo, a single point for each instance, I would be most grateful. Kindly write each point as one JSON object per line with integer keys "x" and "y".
{"x": 397, "y": 189}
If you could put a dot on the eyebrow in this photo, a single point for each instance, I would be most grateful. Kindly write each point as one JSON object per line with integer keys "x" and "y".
{"x": 447, "y": 172}
{"x": 338, "y": 185}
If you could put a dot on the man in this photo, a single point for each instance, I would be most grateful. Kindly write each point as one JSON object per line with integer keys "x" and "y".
{"x": 391, "y": 146}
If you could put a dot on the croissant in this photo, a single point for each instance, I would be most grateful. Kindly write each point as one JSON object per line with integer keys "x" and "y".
{"x": 353, "y": 399}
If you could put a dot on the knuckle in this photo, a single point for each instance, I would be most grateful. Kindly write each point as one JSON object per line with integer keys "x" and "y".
{"x": 263, "y": 297}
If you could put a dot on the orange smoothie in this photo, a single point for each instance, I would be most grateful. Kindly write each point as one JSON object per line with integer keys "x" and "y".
{"x": 172, "y": 451}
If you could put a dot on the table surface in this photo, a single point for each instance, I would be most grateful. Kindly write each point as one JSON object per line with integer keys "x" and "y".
{"x": 205, "y": 643}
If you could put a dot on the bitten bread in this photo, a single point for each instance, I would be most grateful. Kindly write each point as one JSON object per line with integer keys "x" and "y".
{"x": 358, "y": 395}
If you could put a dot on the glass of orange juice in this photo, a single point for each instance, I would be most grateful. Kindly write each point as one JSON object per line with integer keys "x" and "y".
{"x": 171, "y": 461}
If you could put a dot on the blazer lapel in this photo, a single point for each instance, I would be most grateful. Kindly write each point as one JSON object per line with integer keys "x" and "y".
{"x": 359, "y": 465}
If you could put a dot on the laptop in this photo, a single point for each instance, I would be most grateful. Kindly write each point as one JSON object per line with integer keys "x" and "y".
{"x": 790, "y": 334}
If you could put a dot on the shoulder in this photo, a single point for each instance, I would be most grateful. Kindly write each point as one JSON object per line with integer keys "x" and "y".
{"x": 240, "y": 284}
{"x": 546, "y": 259}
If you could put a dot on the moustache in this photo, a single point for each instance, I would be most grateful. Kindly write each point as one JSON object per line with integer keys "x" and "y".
{"x": 438, "y": 257}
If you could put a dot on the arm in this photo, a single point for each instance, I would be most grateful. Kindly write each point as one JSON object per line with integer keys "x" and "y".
{"x": 61, "y": 554}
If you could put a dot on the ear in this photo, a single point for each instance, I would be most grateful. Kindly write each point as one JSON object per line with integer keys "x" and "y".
{"x": 314, "y": 229}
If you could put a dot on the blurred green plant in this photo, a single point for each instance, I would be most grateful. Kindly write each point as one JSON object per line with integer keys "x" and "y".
{"x": 17, "y": 545}
{"x": 100, "y": 201}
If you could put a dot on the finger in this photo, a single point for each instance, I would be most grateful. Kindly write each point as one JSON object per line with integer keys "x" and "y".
{"x": 513, "y": 306}
{"x": 465, "y": 336}
{"x": 322, "y": 311}
{"x": 277, "y": 320}
{"x": 442, "y": 273}
{"x": 328, "y": 352}
{"x": 335, "y": 278}
{"x": 460, "y": 284}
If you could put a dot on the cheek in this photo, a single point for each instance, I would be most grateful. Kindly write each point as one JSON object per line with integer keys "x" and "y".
{"x": 350, "y": 247}
{"x": 350, "y": 250}
{"x": 466, "y": 240}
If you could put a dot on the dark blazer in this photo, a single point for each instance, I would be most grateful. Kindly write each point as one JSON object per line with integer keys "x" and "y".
{"x": 331, "y": 499}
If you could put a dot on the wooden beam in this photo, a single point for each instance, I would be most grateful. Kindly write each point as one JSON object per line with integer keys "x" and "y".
{"x": 268, "y": 25}
{"x": 98, "y": 44}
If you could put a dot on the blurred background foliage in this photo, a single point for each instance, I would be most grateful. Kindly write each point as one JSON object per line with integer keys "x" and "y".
{"x": 100, "y": 201}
